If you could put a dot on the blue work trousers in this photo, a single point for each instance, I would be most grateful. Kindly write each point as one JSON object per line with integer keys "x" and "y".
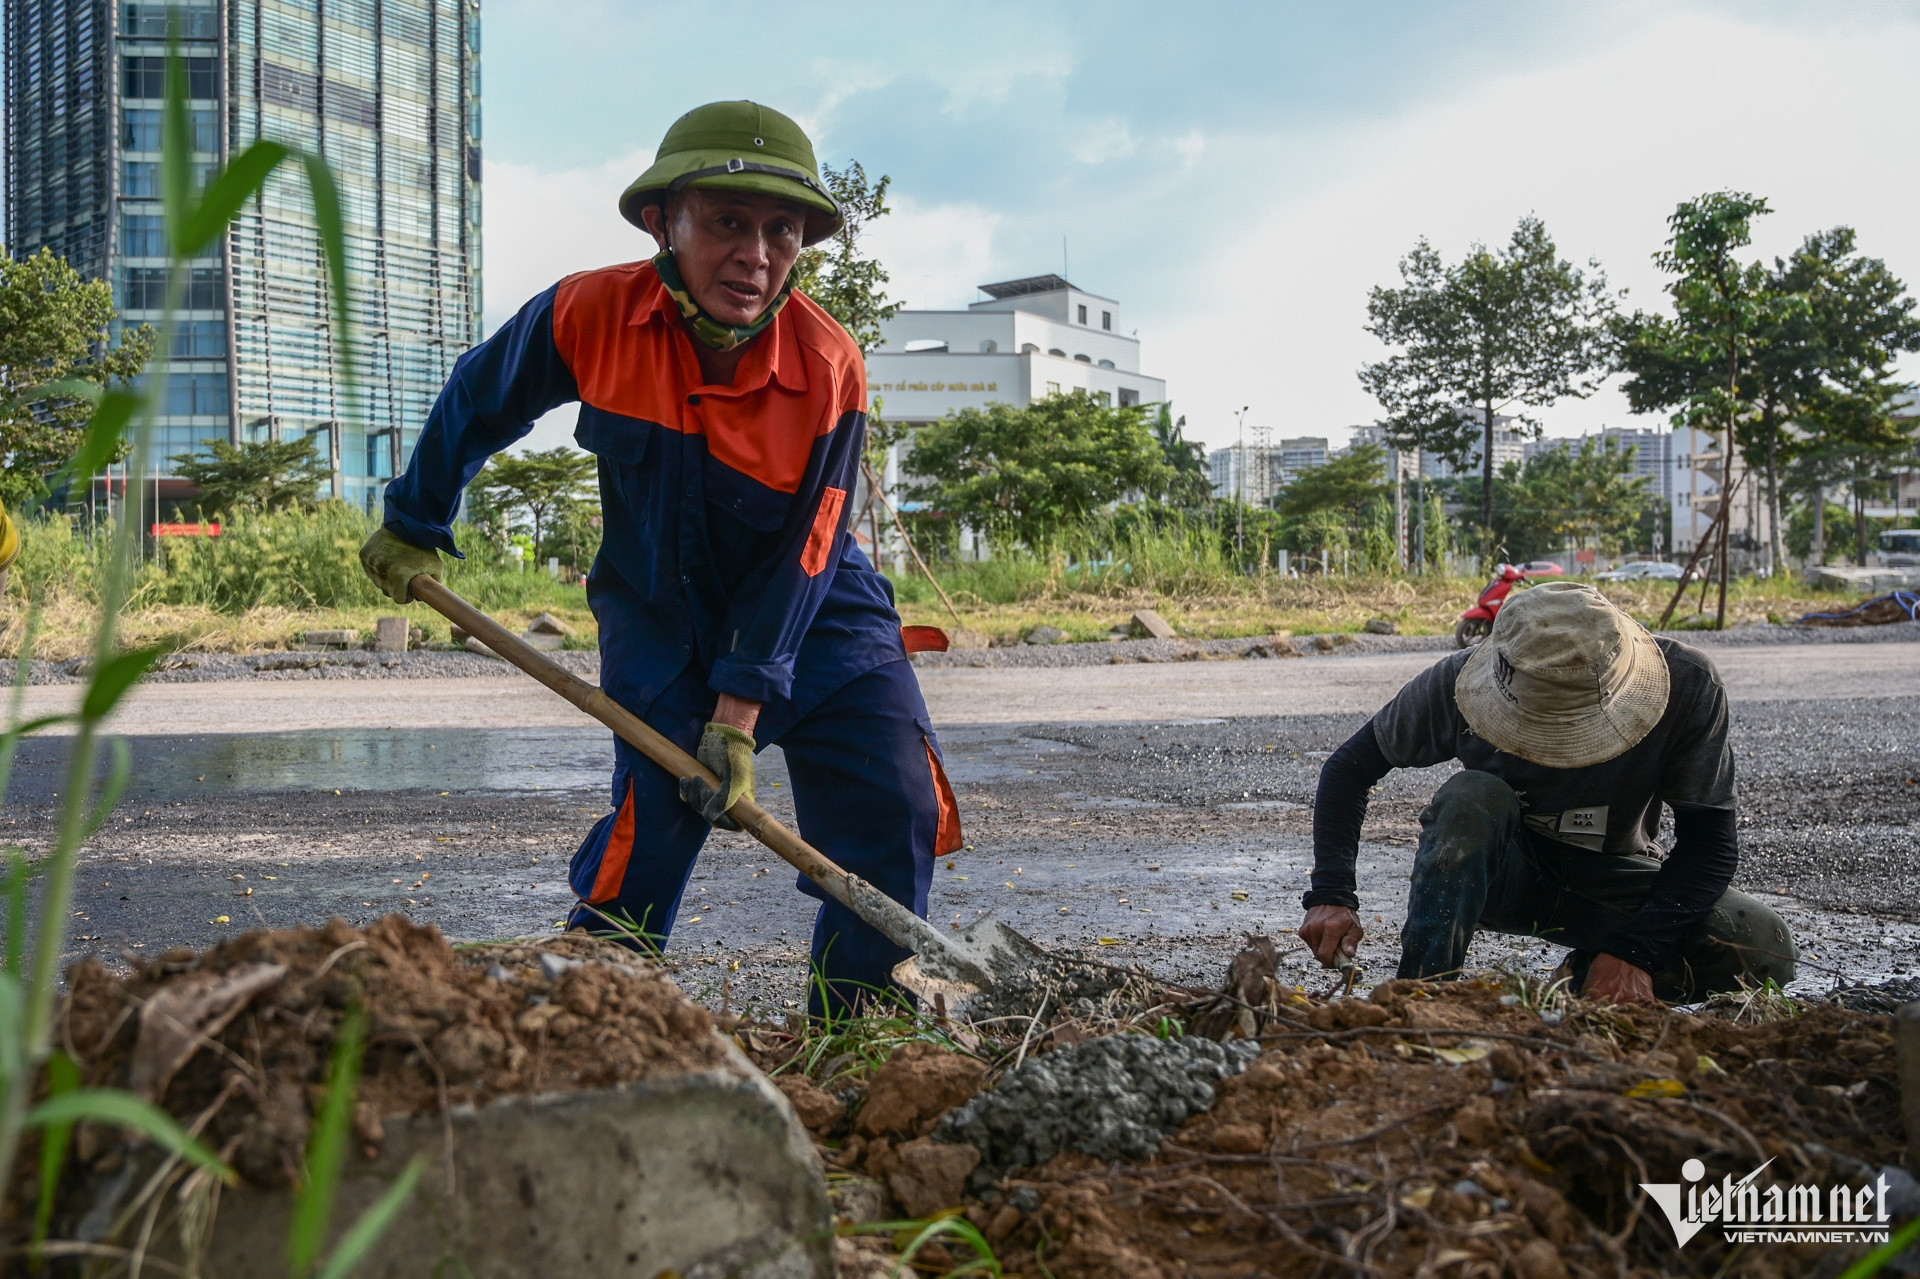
{"x": 867, "y": 791}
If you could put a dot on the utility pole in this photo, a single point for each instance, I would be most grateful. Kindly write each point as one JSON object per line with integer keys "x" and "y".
{"x": 1240, "y": 474}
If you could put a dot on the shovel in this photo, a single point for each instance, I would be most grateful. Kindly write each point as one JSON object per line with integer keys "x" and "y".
{"x": 956, "y": 966}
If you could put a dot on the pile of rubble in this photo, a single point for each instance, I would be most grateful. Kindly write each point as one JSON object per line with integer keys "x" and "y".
{"x": 1473, "y": 1128}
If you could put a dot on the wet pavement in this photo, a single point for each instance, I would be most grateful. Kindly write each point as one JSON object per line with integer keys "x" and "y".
{"x": 1157, "y": 843}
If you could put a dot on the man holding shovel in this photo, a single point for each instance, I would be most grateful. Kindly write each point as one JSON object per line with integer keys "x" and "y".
{"x": 1573, "y": 727}
{"x": 728, "y": 415}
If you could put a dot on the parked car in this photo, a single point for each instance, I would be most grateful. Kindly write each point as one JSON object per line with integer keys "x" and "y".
{"x": 1642, "y": 571}
{"x": 1541, "y": 568}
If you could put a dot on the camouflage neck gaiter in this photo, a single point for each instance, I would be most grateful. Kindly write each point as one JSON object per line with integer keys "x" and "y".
{"x": 716, "y": 334}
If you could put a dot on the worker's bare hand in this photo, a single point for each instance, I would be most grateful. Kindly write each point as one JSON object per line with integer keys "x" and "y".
{"x": 1331, "y": 931}
{"x": 1617, "y": 981}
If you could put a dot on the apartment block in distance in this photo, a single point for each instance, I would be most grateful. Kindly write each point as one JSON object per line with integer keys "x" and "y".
{"x": 387, "y": 90}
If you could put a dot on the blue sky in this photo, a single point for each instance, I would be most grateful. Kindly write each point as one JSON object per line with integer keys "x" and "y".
{"x": 1237, "y": 176}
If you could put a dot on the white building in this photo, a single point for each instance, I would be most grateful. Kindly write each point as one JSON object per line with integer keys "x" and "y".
{"x": 1242, "y": 473}
{"x": 1030, "y": 339}
{"x": 1290, "y": 459}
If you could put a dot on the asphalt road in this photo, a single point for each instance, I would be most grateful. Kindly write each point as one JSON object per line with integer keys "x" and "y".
{"x": 1162, "y": 809}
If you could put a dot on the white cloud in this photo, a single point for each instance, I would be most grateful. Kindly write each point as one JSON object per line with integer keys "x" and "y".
{"x": 935, "y": 254}
{"x": 1245, "y": 261}
{"x": 1601, "y": 150}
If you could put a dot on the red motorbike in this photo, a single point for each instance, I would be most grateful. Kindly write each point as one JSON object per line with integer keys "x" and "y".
{"x": 1477, "y": 622}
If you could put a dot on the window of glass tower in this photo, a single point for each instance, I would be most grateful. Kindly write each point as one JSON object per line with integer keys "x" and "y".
{"x": 140, "y": 129}
{"x": 146, "y": 77}
{"x": 197, "y": 19}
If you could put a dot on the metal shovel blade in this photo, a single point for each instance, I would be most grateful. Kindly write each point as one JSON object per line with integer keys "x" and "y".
{"x": 960, "y": 965}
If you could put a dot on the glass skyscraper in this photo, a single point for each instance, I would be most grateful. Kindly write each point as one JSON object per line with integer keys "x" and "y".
{"x": 387, "y": 90}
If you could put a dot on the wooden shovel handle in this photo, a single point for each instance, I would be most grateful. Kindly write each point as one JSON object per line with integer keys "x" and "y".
{"x": 900, "y": 925}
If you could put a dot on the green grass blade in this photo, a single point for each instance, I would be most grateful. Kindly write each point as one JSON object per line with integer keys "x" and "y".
{"x": 227, "y": 193}
{"x": 333, "y": 236}
{"x": 112, "y": 680}
{"x": 110, "y": 1106}
{"x": 19, "y": 875}
{"x": 366, "y": 1232}
{"x": 176, "y": 147}
{"x": 104, "y": 429}
{"x": 71, "y": 388}
{"x": 326, "y": 1148}
{"x": 1876, "y": 1261}
{"x": 63, "y": 1076}
{"x": 115, "y": 787}
{"x": 909, "y": 1237}
{"x": 13, "y": 1018}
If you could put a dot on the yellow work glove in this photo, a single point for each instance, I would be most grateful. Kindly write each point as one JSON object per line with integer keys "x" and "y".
{"x": 9, "y": 545}
{"x": 393, "y": 564}
{"x": 729, "y": 753}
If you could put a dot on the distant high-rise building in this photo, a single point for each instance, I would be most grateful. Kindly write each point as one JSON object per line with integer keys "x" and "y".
{"x": 387, "y": 90}
{"x": 1509, "y": 445}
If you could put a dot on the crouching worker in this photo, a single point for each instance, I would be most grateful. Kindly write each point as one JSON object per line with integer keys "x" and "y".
{"x": 728, "y": 415}
{"x": 1573, "y": 725}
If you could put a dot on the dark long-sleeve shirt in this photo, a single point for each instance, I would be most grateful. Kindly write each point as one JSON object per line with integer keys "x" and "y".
{"x": 1684, "y": 762}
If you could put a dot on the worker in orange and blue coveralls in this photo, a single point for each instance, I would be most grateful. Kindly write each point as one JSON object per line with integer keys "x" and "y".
{"x": 728, "y": 415}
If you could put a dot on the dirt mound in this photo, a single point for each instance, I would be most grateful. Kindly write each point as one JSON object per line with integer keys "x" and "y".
{"x": 245, "y": 1030}
{"x": 1469, "y": 1128}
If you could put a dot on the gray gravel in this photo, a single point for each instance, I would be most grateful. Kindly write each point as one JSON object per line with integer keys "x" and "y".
{"x": 1113, "y": 1098}
{"x": 200, "y": 668}
{"x": 1347, "y": 644}
{"x": 194, "y": 668}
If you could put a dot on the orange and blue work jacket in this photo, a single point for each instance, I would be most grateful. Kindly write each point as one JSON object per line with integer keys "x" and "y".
{"x": 724, "y": 508}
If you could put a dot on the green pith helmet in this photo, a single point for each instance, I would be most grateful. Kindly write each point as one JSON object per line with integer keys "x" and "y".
{"x": 737, "y": 146}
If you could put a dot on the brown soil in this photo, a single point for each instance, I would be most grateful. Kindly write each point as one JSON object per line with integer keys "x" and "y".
{"x": 440, "y": 1030}
{"x": 1350, "y": 1147}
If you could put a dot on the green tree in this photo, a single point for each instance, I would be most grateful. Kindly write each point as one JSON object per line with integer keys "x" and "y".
{"x": 1587, "y": 497}
{"x": 1821, "y": 364}
{"x": 1190, "y": 485}
{"x": 255, "y": 476}
{"x": 1694, "y": 362}
{"x": 846, "y": 282}
{"x": 54, "y": 327}
{"x": 1345, "y": 483}
{"x": 1512, "y": 326}
{"x": 541, "y": 484}
{"x": 1026, "y": 473}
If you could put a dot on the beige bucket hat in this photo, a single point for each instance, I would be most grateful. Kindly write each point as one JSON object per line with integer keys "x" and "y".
{"x": 1565, "y": 680}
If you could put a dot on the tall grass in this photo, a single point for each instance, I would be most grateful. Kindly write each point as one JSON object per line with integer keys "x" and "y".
{"x": 1142, "y": 551}
{"x": 295, "y": 560}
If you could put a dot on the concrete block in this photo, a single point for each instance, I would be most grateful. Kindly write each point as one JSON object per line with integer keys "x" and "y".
{"x": 962, "y": 637}
{"x": 1906, "y": 1044}
{"x": 1867, "y": 581}
{"x": 548, "y": 624}
{"x": 1148, "y": 624}
{"x": 330, "y": 639}
{"x": 703, "y": 1173}
{"x": 546, "y": 643}
{"x": 390, "y": 635}
{"x": 1046, "y": 635}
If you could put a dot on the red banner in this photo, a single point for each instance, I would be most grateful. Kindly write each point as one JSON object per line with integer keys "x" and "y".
{"x": 186, "y": 530}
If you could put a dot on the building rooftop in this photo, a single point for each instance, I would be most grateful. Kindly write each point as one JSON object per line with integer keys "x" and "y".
{"x": 1024, "y": 288}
